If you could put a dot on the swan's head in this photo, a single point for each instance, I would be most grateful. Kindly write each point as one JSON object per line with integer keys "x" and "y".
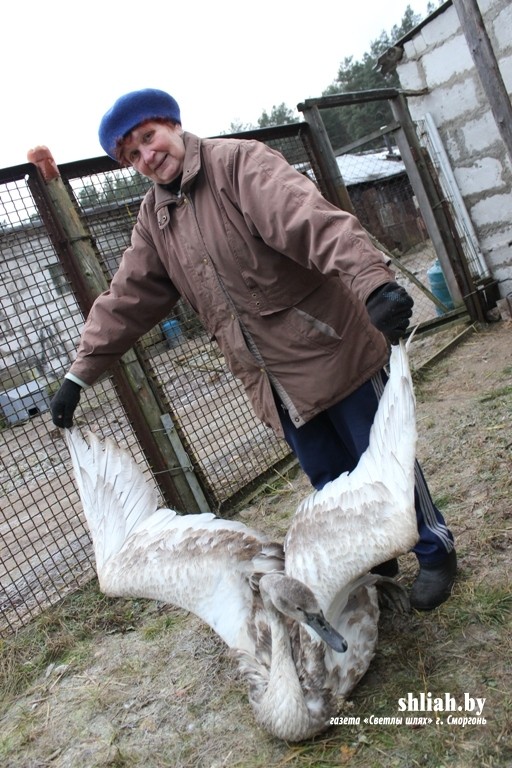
{"x": 294, "y": 599}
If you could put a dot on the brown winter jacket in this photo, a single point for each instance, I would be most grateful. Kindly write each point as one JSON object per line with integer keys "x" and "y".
{"x": 260, "y": 255}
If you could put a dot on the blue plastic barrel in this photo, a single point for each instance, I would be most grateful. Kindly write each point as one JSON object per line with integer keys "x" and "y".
{"x": 172, "y": 332}
{"x": 439, "y": 288}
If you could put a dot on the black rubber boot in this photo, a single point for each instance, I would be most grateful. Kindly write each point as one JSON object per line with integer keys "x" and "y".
{"x": 389, "y": 568}
{"x": 433, "y": 584}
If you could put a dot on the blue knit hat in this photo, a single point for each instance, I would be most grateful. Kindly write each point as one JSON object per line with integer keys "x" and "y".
{"x": 132, "y": 109}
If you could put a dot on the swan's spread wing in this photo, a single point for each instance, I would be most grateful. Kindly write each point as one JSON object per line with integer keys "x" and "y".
{"x": 197, "y": 562}
{"x": 114, "y": 493}
{"x": 366, "y": 517}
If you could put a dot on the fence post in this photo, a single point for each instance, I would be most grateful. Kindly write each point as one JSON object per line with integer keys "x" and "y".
{"x": 487, "y": 66}
{"x": 138, "y": 393}
{"x": 325, "y": 158}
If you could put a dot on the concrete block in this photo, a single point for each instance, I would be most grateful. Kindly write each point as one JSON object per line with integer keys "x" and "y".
{"x": 411, "y": 76}
{"x": 506, "y": 72}
{"x": 449, "y": 60}
{"x": 483, "y": 176}
{"x": 481, "y": 133}
{"x": 442, "y": 27}
{"x": 502, "y": 28}
{"x": 453, "y": 102}
{"x": 416, "y": 47}
{"x": 493, "y": 210}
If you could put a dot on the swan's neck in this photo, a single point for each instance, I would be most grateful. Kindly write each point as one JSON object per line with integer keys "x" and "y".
{"x": 282, "y": 709}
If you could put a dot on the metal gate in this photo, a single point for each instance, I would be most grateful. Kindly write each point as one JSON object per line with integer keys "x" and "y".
{"x": 171, "y": 402}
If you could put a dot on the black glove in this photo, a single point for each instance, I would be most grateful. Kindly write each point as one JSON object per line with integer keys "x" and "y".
{"x": 390, "y": 308}
{"x": 64, "y": 402}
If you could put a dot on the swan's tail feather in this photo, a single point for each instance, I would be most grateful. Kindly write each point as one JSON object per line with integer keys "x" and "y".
{"x": 115, "y": 495}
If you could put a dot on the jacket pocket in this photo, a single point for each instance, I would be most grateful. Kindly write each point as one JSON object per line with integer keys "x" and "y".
{"x": 320, "y": 318}
{"x": 316, "y": 325}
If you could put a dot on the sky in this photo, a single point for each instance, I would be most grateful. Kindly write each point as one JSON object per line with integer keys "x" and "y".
{"x": 64, "y": 64}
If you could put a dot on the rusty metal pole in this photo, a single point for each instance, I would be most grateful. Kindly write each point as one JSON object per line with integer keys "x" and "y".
{"x": 139, "y": 395}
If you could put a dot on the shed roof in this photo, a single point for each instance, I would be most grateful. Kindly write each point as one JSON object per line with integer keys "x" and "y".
{"x": 369, "y": 166}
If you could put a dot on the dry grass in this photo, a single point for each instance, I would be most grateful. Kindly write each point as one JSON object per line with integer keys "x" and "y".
{"x": 97, "y": 682}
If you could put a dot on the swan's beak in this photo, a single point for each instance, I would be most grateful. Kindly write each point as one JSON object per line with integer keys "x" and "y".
{"x": 321, "y": 626}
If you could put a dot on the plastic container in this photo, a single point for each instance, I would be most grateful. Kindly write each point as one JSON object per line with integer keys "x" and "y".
{"x": 439, "y": 288}
{"x": 172, "y": 332}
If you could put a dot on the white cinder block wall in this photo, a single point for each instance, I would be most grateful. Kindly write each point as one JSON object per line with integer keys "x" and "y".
{"x": 438, "y": 59}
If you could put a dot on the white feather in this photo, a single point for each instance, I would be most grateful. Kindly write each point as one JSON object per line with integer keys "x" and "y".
{"x": 366, "y": 516}
{"x": 221, "y": 570}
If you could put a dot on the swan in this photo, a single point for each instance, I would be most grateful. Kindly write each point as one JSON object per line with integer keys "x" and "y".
{"x": 300, "y": 616}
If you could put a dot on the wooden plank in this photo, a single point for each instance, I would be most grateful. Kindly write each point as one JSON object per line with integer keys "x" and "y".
{"x": 487, "y": 67}
{"x": 324, "y": 155}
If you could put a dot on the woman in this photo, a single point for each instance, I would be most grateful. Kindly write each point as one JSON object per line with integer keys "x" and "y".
{"x": 301, "y": 303}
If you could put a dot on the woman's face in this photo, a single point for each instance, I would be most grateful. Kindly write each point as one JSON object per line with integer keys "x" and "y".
{"x": 156, "y": 150}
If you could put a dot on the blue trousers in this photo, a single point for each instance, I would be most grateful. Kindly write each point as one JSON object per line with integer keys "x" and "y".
{"x": 334, "y": 440}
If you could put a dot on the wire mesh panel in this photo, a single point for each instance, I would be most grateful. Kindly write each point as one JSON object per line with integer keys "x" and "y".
{"x": 45, "y": 548}
{"x": 42, "y": 541}
{"x": 230, "y": 447}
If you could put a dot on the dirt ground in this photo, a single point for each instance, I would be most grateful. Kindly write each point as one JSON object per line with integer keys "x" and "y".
{"x": 165, "y": 693}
